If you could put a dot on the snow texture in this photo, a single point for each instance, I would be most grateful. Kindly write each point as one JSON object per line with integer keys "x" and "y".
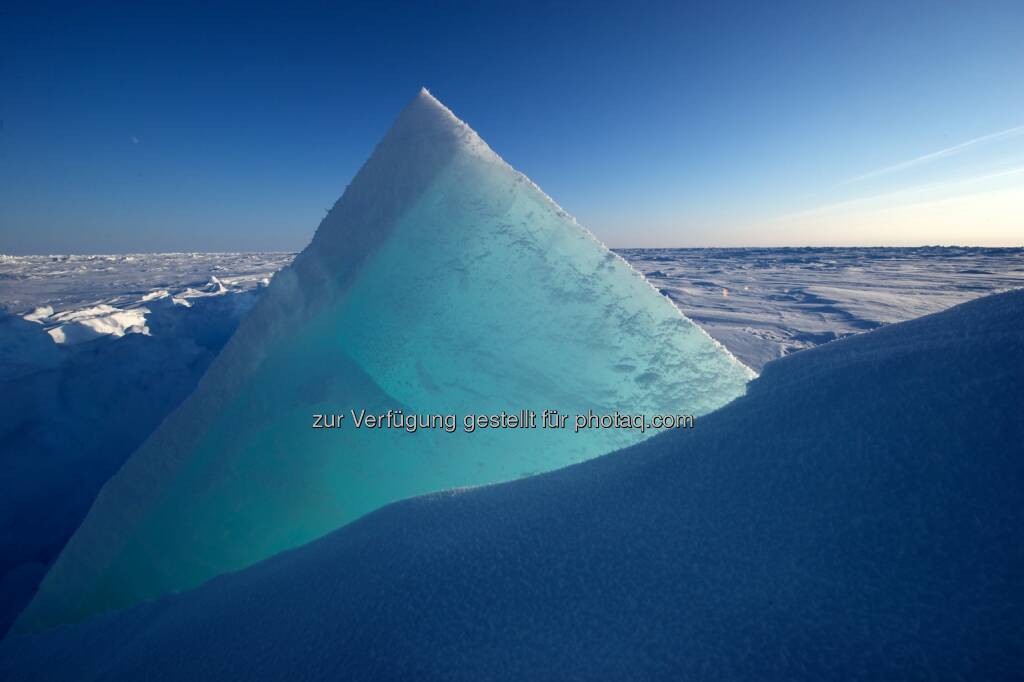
{"x": 856, "y": 515}
{"x": 66, "y": 283}
{"x": 765, "y": 303}
{"x": 441, "y": 282}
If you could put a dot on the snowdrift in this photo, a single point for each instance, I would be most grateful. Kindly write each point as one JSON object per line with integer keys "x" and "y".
{"x": 442, "y": 282}
{"x": 857, "y": 515}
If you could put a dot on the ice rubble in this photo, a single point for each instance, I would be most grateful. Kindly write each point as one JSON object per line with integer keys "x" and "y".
{"x": 102, "y": 320}
{"x": 73, "y": 413}
{"x": 79, "y": 325}
{"x": 442, "y": 281}
{"x": 857, "y": 515}
{"x": 71, "y": 282}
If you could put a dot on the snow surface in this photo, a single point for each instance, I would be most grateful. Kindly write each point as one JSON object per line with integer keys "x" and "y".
{"x": 81, "y": 298}
{"x": 442, "y": 282}
{"x": 857, "y": 515}
{"x": 74, "y": 282}
{"x": 765, "y": 303}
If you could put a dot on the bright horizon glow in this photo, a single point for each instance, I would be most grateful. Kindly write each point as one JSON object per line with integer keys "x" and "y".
{"x": 130, "y": 128}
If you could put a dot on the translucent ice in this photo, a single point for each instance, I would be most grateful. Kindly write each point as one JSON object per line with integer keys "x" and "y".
{"x": 442, "y": 282}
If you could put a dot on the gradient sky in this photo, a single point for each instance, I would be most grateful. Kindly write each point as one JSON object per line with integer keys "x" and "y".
{"x": 226, "y": 126}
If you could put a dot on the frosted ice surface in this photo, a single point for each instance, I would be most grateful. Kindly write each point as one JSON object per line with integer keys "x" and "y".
{"x": 443, "y": 281}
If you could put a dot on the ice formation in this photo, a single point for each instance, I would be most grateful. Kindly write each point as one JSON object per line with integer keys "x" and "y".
{"x": 857, "y": 515}
{"x": 442, "y": 282}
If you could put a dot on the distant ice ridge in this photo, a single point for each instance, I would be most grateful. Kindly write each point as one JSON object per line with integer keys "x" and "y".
{"x": 77, "y": 326}
{"x": 856, "y": 516}
{"x": 442, "y": 282}
{"x": 71, "y": 282}
{"x": 83, "y": 298}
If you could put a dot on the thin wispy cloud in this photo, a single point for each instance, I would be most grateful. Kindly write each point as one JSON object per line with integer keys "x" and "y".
{"x": 906, "y": 194}
{"x": 941, "y": 154}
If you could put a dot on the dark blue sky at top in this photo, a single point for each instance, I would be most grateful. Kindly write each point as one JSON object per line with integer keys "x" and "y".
{"x": 230, "y": 126}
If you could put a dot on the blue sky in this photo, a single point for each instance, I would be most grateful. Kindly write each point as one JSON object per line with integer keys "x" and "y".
{"x": 227, "y": 126}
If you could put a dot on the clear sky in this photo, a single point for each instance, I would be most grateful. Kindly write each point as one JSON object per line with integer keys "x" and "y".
{"x": 223, "y": 126}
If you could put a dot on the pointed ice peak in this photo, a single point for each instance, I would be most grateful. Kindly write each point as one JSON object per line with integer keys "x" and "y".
{"x": 425, "y": 108}
{"x": 423, "y": 141}
{"x": 426, "y": 119}
{"x": 428, "y": 98}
